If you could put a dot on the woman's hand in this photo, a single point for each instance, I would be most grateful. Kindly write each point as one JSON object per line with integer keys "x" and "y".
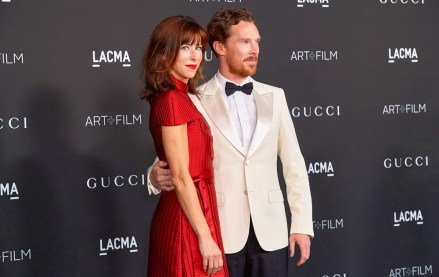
{"x": 212, "y": 256}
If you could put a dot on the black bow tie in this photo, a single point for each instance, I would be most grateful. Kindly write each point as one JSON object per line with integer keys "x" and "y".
{"x": 231, "y": 88}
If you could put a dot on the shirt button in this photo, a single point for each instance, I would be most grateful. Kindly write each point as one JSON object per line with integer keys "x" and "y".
{"x": 247, "y": 162}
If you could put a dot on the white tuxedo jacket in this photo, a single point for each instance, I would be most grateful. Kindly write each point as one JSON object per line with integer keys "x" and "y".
{"x": 248, "y": 185}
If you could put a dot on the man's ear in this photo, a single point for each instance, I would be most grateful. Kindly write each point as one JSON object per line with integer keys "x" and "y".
{"x": 219, "y": 48}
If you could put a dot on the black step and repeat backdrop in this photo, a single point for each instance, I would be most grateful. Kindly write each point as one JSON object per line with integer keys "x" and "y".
{"x": 362, "y": 81}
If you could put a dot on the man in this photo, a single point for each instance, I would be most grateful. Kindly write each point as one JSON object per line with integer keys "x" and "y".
{"x": 251, "y": 125}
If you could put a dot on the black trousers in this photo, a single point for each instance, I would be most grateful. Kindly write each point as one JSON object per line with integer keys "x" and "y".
{"x": 253, "y": 261}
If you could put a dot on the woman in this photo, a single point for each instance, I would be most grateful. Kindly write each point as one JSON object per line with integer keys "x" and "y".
{"x": 185, "y": 237}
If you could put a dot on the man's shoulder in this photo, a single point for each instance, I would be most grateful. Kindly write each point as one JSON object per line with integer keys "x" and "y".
{"x": 202, "y": 88}
{"x": 266, "y": 87}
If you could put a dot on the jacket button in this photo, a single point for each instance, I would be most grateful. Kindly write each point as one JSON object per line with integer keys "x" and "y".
{"x": 247, "y": 162}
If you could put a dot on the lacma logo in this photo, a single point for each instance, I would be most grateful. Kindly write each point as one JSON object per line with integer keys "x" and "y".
{"x": 113, "y": 120}
{"x": 116, "y": 244}
{"x": 321, "y": 168}
{"x": 9, "y": 190}
{"x": 407, "y": 217}
{"x": 323, "y": 3}
{"x": 401, "y": 54}
{"x": 111, "y": 56}
{"x": 11, "y": 58}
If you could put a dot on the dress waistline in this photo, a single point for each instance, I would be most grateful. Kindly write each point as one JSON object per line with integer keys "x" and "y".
{"x": 206, "y": 176}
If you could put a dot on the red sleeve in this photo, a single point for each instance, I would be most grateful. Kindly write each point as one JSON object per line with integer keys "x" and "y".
{"x": 174, "y": 108}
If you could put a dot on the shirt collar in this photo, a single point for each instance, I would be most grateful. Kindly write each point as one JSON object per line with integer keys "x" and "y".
{"x": 221, "y": 80}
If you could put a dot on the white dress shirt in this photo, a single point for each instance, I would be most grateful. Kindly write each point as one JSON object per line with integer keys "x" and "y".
{"x": 242, "y": 111}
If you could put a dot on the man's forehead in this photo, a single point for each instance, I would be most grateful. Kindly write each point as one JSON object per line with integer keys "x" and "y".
{"x": 244, "y": 29}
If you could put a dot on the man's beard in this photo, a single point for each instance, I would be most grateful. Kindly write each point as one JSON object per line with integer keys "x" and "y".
{"x": 243, "y": 70}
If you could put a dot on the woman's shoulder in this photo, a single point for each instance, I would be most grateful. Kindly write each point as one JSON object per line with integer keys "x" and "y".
{"x": 171, "y": 96}
{"x": 173, "y": 107}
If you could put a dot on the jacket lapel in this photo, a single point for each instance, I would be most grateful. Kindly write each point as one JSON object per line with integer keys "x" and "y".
{"x": 215, "y": 106}
{"x": 264, "y": 108}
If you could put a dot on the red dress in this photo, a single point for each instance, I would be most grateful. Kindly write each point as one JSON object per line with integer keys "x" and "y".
{"x": 173, "y": 245}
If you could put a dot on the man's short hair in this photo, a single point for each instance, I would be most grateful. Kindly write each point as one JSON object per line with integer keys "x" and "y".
{"x": 223, "y": 20}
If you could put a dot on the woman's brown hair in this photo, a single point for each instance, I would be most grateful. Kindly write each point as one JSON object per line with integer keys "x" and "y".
{"x": 162, "y": 50}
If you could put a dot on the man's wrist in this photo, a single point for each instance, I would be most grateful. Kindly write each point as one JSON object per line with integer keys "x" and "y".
{"x": 152, "y": 189}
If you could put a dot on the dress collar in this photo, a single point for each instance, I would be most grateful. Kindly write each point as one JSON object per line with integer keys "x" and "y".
{"x": 179, "y": 84}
